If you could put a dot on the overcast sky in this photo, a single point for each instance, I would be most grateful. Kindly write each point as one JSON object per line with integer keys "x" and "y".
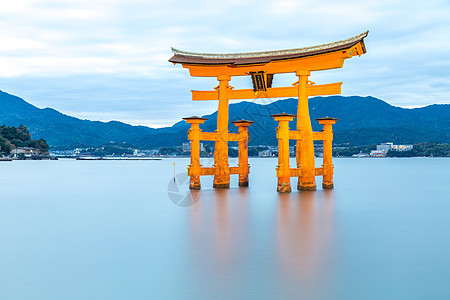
{"x": 108, "y": 59}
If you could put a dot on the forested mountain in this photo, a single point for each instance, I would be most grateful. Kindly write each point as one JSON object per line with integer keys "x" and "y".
{"x": 363, "y": 120}
{"x": 63, "y": 130}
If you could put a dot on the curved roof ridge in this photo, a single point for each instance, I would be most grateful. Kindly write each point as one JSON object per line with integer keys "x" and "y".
{"x": 272, "y": 53}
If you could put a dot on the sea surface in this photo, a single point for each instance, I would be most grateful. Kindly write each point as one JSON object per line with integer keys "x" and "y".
{"x": 125, "y": 230}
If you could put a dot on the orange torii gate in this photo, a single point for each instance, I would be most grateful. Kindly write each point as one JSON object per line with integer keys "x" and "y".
{"x": 262, "y": 66}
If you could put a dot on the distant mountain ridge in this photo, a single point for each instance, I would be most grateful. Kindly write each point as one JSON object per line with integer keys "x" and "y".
{"x": 59, "y": 129}
{"x": 363, "y": 120}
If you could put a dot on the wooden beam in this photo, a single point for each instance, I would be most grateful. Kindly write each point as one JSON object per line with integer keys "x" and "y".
{"x": 294, "y": 135}
{"x": 324, "y": 89}
{"x": 296, "y": 172}
{"x": 318, "y": 136}
{"x": 319, "y": 62}
{"x": 278, "y": 92}
{"x": 234, "y": 137}
{"x": 208, "y": 136}
{"x": 319, "y": 171}
{"x": 234, "y": 170}
{"x": 205, "y": 95}
{"x": 207, "y": 171}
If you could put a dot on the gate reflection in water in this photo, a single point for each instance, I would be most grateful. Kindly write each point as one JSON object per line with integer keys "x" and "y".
{"x": 273, "y": 252}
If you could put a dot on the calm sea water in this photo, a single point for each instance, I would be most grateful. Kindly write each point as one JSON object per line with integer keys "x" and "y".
{"x": 110, "y": 230}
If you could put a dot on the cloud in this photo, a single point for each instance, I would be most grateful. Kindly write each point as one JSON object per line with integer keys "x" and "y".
{"x": 103, "y": 59}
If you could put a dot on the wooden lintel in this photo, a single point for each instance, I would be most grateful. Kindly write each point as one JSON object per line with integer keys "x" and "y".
{"x": 319, "y": 171}
{"x": 324, "y": 89}
{"x": 319, "y": 62}
{"x": 278, "y": 92}
{"x": 234, "y": 137}
{"x": 294, "y": 135}
{"x": 235, "y": 170}
{"x": 208, "y": 136}
{"x": 318, "y": 136}
{"x": 212, "y": 170}
{"x": 295, "y": 172}
{"x": 208, "y": 171}
{"x": 205, "y": 95}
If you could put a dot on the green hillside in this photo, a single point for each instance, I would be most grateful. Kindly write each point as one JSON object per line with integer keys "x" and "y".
{"x": 363, "y": 121}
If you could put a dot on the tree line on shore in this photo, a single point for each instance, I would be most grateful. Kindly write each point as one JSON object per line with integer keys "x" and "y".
{"x": 418, "y": 150}
{"x": 15, "y": 137}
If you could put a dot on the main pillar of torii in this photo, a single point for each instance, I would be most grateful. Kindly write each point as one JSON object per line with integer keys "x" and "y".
{"x": 261, "y": 67}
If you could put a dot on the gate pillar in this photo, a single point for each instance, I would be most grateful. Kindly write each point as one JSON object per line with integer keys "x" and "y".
{"x": 328, "y": 168}
{"x": 283, "y": 168}
{"x": 243, "y": 165}
{"x": 194, "y": 137}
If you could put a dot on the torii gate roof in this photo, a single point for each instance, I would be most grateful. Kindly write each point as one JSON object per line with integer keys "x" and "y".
{"x": 265, "y": 57}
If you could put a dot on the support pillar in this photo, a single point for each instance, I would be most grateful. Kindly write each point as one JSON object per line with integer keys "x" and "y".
{"x": 328, "y": 168}
{"x": 283, "y": 168}
{"x": 244, "y": 167}
{"x": 222, "y": 177}
{"x": 305, "y": 146}
{"x": 194, "y": 137}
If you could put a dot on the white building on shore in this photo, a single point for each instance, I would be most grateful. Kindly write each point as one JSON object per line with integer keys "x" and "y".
{"x": 383, "y": 149}
{"x": 27, "y": 151}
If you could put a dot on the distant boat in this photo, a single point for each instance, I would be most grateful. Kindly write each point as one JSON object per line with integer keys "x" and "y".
{"x": 116, "y": 158}
{"x": 360, "y": 155}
